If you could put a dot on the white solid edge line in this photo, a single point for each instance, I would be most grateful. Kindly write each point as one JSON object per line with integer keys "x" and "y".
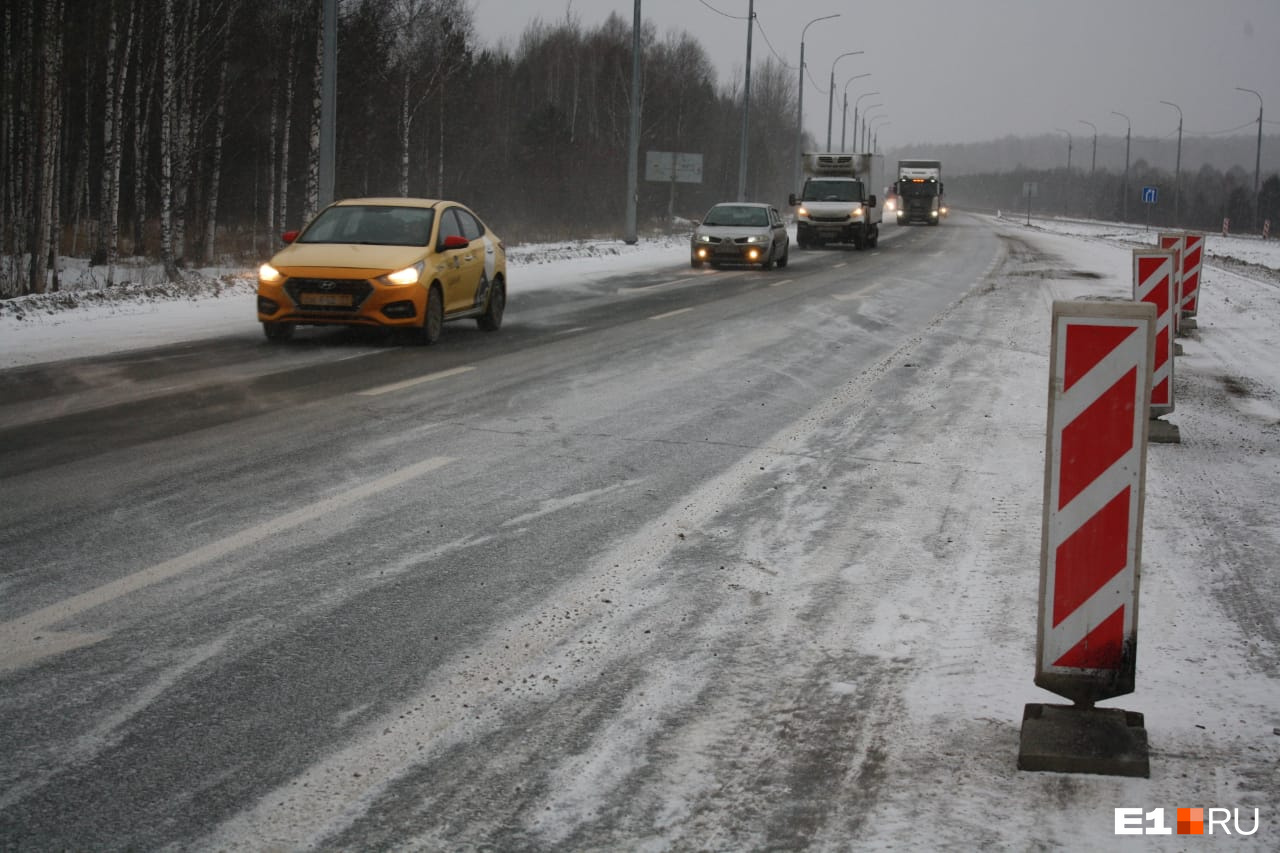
{"x": 409, "y": 383}
{"x": 19, "y": 646}
{"x": 670, "y": 314}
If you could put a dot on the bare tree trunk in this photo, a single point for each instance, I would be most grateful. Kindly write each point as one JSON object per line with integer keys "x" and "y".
{"x": 111, "y": 200}
{"x": 440, "y": 152}
{"x": 211, "y": 211}
{"x": 110, "y": 141}
{"x": 313, "y": 141}
{"x": 80, "y": 183}
{"x": 406, "y": 116}
{"x": 167, "y": 48}
{"x": 286, "y": 126}
{"x": 49, "y": 113}
{"x": 271, "y": 163}
{"x": 142, "y": 103}
{"x": 183, "y": 142}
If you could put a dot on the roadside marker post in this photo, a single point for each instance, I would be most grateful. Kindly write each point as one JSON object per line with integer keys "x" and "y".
{"x": 1192, "y": 262}
{"x": 1153, "y": 282}
{"x": 1101, "y": 358}
{"x": 1177, "y": 242}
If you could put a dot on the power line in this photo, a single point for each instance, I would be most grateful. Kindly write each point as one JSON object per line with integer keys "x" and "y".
{"x": 724, "y": 14}
{"x": 763, "y": 35}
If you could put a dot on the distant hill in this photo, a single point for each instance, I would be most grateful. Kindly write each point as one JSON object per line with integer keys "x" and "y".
{"x": 1049, "y": 151}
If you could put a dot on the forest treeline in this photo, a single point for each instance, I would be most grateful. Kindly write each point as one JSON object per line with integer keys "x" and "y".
{"x": 187, "y": 131}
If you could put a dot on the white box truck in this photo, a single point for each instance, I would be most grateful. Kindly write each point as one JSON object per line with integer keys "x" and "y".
{"x": 837, "y": 203}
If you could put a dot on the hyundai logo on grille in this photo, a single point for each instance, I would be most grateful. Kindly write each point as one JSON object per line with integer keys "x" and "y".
{"x": 326, "y": 285}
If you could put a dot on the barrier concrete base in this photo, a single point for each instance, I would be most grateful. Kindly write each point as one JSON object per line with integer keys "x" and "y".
{"x": 1177, "y": 348}
{"x": 1187, "y": 324}
{"x": 1072, "y": 739}
{"x": 1163, "y": 432}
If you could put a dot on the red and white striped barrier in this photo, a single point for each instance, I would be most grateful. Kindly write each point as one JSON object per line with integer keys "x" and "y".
{"x": 1176, "y": 242}
{"x": 1153, "y": 282}
{"x": 1095, "y": 474}
{"x": 1192, "y": 261}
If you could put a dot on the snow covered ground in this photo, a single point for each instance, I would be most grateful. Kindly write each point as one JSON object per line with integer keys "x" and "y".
{"x": 1209, "y": 646}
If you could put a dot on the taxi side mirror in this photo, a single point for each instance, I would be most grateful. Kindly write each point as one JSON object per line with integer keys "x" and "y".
{"x": 454, "y": 241}
{"x": 289, "y": 236}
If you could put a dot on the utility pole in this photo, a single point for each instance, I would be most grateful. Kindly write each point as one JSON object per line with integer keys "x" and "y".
{"x": 1177, "y": 170}
{"x": 746, "y": 105}
{"x": 1066, "y": 206}
{"x": 1124, "y": 203}
{"x": 1257, "y": 162}
{"x": 633, "y": 140}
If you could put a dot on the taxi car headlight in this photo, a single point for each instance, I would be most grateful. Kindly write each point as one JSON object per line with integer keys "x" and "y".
{"x": 269, "y": 274}
{"x": 408, "y": 275}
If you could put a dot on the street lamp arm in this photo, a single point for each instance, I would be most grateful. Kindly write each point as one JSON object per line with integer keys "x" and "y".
{"x": 814, "y": 21}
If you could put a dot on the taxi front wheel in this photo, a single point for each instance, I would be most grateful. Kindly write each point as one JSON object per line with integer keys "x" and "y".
{"x": 433, "y": 318}
{"x": 491, "y": 319}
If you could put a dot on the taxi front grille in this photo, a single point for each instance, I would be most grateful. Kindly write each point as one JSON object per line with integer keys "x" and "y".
{"x": 328, "y": 295}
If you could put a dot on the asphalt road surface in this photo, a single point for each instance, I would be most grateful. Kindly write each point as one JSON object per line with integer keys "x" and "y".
{"x": 583, "y": 583}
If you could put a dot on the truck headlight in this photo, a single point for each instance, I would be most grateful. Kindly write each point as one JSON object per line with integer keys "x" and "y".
{"x": 802, "y": 211}
{"x": 856, "y": 212}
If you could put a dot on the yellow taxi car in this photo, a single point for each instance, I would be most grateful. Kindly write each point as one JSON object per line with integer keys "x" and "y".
{"x": 397, "y": 263}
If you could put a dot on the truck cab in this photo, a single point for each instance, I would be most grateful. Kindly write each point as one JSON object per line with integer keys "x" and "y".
{"x": 836, "y": 204}
{"x": 918, "y": 191}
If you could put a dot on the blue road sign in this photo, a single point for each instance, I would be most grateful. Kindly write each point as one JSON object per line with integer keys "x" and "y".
{"x": 1149, "y": 195}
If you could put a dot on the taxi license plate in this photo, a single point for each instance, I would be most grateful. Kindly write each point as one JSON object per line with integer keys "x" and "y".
{"x": 342, "y": 300}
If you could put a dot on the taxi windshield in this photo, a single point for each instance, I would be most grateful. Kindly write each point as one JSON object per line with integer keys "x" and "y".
{"x": 369, "y": 224}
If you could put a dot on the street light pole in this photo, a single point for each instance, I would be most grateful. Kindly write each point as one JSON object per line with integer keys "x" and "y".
{"x": 1093, "y": 164}
{"x": 1257, "y": 162}
{"x": 1066, "y": 205}
{"x": 831, "y": 93}
{"x": 866, "y": 131}
{"x": 1177, "y": 170}
{"x": 844, "y": 114}
{"x": 1124, "y": 203}
{"x": 800, "y": 97}
{"x": 875, "y": 140}
{"x": 855, "y": 115}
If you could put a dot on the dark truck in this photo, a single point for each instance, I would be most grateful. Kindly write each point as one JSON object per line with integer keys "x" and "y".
{"x": 918, "y": 192}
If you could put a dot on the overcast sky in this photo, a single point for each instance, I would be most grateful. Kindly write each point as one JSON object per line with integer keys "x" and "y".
{"x": 969, "y": 70}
